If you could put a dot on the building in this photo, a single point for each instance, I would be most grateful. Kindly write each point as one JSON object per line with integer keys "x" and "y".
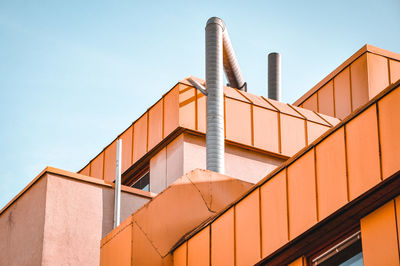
{"x": 312, "y": 183}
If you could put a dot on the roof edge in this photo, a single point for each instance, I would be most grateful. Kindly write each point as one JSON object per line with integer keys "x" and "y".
{"x": 78, "y": 177}
{"x": 366, "y": 48}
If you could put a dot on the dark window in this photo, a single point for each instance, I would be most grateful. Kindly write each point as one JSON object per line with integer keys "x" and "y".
{"x": 347, "y": 252}
{"x": 143, "y": 182}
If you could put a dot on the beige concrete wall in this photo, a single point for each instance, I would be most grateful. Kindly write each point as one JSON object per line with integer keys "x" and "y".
{"x": 60, "y": 221}
{"x": 21, "y": 228}
{"x": 240, "y": 163}
{"x": 188, "y": 152}
{"x": 78, "y": 215}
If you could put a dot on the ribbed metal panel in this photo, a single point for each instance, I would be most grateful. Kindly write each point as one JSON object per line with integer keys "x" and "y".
{"x": 215, "y": 100}
{"x": 274, "y": 76}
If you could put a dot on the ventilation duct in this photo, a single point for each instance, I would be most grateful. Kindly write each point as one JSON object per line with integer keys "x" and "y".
{"x": 219, "y": 56}
{"x": 274, "y": 76}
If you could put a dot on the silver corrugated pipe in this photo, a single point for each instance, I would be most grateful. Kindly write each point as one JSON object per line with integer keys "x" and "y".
{"x": 231, "y": 65}
{"x": 215, "y": 99}
{"x": 274, "y": 76}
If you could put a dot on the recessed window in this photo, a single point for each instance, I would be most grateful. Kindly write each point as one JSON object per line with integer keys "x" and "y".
{"x": 346, "y": 253}
{"x": 143, "y": 182}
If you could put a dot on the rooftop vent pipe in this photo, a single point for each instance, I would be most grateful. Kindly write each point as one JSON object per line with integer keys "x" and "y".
{"x": 274, "y": 76}
{"x": 219, "y": 55}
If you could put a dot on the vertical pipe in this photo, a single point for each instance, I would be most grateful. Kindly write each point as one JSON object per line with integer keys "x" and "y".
{"x": 274, "y": 76}
{"x": 215, "y": 100}
{"x": 117, "y": 192}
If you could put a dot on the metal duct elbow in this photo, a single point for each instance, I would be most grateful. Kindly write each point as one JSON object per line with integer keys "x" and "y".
{"x": 231, "y": 65}
{"x": 274, "y": 76}
{"x": 215, "y": 140}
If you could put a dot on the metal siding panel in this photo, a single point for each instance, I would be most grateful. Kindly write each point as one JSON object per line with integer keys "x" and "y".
{"x": 247, "y": 230}
{"x": 266, "y": 131}
{"x": 325, "y": 99}
{"x": 223, "y": 240}
{"x": 343, "y": 94}
{"x": 394, "y": 71}
{"x": 199, "y": 248}
{"x": 274, "y": 226}
{"x": 201, "y": 112}
{"x": 379, "y": 237}
{"x": 331, "y": 174}
{"x": 389, "y": 128}
{"x": 96, "y": 169}
{"x": 187, "y": 107}
{"x": 180, "y": 253}
{"x": 140, "y": 138}
{"x": 118, "y": 250}
{"x": 292, "y": 134}
{"x": 363, "y": 152}
{"x": 238, "y": 121}
{"x": 171, "y": 111}
{"x": 311, "y": 103}
{"x": 314, "y": 131}
{"x": 86, "y": 170}
{"x": 302, "y": 195}
{"x": 143, "y": 251}
{"x": 298, "y": 262}
{"x": 378, "y": 76}
{"x": 359, "y": 81}
{"x": 109, "y": 162}
{"x": 126, "y": 149}
{"x": 155, "y": 124}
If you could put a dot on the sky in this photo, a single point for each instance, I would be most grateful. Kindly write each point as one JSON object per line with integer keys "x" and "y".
{"x": 75, "y": 74}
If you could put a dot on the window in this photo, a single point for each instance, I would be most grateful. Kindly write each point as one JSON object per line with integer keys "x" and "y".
{"x": 346, "y": 253}
{"x": 143, "y": 182}
{"x": 138, "y": 178}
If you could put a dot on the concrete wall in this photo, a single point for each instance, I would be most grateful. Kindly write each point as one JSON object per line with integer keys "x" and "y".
{"x": 22, "y": 227}
{"x": 188, "y": 152}
{"x": 60, "y": 221}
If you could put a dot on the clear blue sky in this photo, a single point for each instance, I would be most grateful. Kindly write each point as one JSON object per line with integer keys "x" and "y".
{"x": 74, "y": 74}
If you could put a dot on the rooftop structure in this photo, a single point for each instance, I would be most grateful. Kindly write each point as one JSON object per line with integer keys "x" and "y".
{"x": 310, "y": 183}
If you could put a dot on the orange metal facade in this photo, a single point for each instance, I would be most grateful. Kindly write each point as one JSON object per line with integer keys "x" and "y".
{"x": 339, "y": 175}
{"x": 353, "y": 83}
{"x": 331, "y": 172}
{"x": 251, "y": 121}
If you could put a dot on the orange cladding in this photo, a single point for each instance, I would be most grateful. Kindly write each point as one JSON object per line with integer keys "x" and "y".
{"x": 238, "y": 121}
{"x": 342, "y": 94}
{"x": 302, "y": 194}
{"x": 96, "y": 167}
{"x": 311, "y": 103}
{"x": 378, "y": 76}
{"x": 331, "y": 174}
{"x": 109, "y": 162}
{"x": 389, "y": 128}
{"x": 266, "y": 130}
{"x": 199, "y": 248}
{"x": 180, "y": 255}
{"x": 223, "y": 240}
{"x": 363, "y": 152}
{"x": 394, "y": 71}
{"x": 155, "y": 130}
{"x": 379, "y": 236}
{"x": 274, "y": 220}
{"x": 325, "y": 100}
{"x": 171, "y": 111}
{"x": 247, "y": 230}
{"x": 140, "y": 138}
{"x": 359, "y": 81}
{"x": 126, "y": 138}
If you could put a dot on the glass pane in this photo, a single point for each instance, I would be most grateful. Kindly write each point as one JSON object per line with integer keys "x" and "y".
{"x": 357, "y": 260}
